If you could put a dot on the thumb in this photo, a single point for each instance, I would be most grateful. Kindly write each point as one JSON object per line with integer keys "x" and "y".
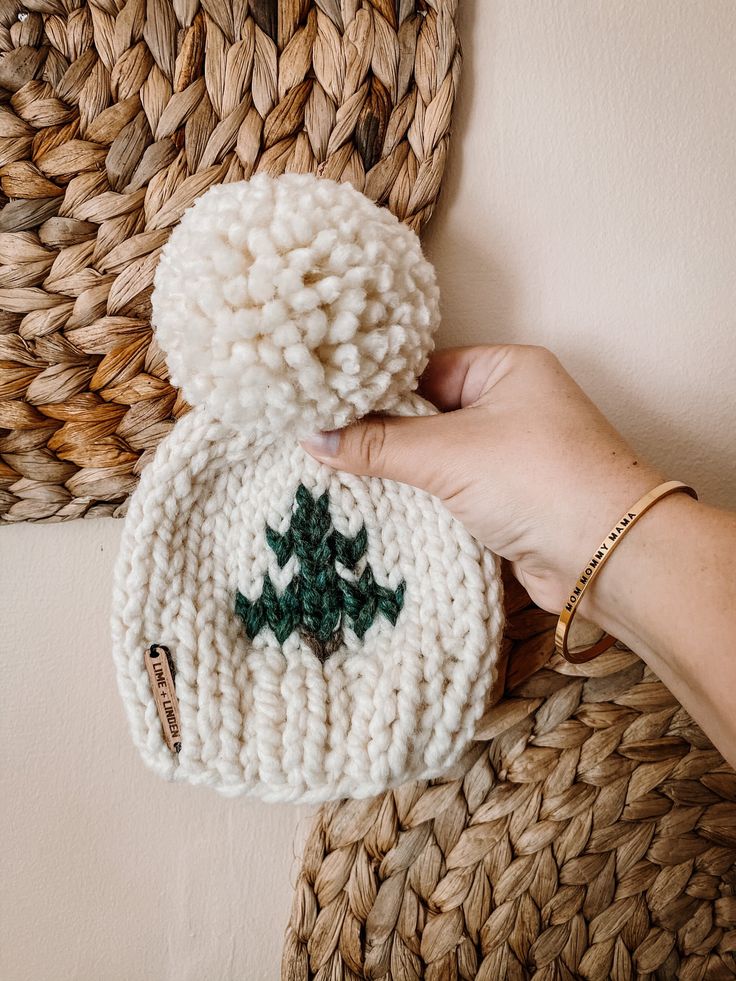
{"x": 401, "y": 448}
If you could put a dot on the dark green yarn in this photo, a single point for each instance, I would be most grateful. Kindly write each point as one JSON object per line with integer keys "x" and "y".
{"x": 318, "y": 601}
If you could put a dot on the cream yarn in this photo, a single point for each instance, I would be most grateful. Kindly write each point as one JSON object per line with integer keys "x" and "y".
{"x": 331, "y": 635}
{"x": 297, "y": 317}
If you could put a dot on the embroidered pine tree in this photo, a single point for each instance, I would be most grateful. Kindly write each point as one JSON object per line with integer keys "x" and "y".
{"x": 318, "y": 602}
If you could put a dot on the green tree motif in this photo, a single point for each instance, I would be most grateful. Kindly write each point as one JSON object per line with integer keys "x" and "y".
{"x": 318, "y": 601}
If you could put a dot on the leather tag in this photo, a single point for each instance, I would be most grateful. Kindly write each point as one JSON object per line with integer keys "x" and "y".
{"x": 160, "y": 669}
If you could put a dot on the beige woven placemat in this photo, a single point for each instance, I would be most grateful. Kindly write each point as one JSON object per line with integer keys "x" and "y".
{"x": 114, "y": 116}
{"x": 590, "y": 833}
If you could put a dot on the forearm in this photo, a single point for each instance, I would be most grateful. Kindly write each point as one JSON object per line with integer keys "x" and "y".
{"x": 669, "y": 593}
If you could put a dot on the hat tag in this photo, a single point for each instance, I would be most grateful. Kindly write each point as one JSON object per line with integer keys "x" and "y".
{"x": 318, "y": 602}
{"x": 161, "y": 674}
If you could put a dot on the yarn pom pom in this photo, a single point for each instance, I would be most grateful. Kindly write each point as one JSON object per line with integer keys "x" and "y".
{"x": 293, "y": 303}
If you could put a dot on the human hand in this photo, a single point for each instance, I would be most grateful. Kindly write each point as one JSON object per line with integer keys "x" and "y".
{"x": 519, "y": 454}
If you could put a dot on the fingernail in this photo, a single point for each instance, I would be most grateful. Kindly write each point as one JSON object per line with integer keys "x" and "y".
{"x": 323, "y": 444}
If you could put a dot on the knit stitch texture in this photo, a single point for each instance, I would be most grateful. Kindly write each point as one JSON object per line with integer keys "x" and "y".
{"x": 332, "y": 635}
{"x": 318, "y": 599}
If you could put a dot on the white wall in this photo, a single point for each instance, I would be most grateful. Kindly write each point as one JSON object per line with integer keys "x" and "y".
{"x": 589, "y": 206}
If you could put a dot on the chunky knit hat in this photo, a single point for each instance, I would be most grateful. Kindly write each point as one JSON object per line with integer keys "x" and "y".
{"x": 280, "y": 629}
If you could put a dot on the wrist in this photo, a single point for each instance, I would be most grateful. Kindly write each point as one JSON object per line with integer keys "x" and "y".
{"x": 578, "y": 531}
{"x": 620, "y": 599}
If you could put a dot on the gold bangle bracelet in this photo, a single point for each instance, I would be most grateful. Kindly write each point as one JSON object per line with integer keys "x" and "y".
{"x": 596, "y": 563}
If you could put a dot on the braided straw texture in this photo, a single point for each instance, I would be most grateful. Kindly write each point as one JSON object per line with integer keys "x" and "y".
{"x": 114, "y": 117}
{"x": 590, "y": 833}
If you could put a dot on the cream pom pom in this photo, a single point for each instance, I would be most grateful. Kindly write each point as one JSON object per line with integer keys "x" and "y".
{"x": 293, "y": 303}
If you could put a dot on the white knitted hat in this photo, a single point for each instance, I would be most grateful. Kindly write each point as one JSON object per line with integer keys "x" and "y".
{"x": 280, "y": 629}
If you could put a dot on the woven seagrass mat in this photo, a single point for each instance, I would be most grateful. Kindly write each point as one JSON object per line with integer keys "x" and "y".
{"x": 590, "y": 833}
{"x": 114, "y": 116}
